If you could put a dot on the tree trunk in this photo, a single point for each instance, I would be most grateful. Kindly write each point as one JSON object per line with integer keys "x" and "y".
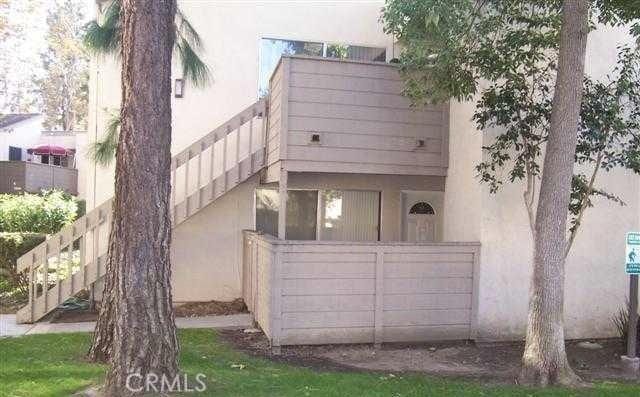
{"x": 136, "y": 330}
{"x": 100, "y": 350}
{"x": 545, "y": 361}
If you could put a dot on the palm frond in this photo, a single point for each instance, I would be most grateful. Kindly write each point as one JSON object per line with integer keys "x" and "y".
{"x": 104, "y": 37}
{"x": 185, "y": 29}
{"x": 193, "y": 68}
{"x": 104, "y": 152}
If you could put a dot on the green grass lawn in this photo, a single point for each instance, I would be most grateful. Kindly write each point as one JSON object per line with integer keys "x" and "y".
{"x": 53, "y": 365}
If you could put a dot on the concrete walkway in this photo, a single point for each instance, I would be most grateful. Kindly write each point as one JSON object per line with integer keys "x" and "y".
{"x": 9, "y": 327}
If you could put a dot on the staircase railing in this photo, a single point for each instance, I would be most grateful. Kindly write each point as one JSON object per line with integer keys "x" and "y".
{"x": 74, "y": 258}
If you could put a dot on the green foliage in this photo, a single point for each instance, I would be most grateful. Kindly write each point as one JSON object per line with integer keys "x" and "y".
{"x": 105, "y": 37}
{"x": 609, "y": 130}
{"x": 37, "y": 213}
{"x": 620, "y": 13}
{"x": 451, "y": 45}
{"x": 82, "y": 208}
{"x": 339, "y": 51}
{"x": 621, "y": 322}
{"x": 104, "y": 151}
{"x": 64, "y": 85}
{"x": 503, "y": 54}
{"x": 188, "y": 45}
{"x": 12, "y": 247}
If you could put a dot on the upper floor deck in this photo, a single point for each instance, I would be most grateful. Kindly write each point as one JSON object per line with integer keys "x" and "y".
{"x": 333, "y": 115}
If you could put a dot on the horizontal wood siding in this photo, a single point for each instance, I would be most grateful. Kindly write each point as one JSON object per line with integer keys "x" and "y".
{"x": 272, "y": 146}
{"x": 350, "y": 292}
{"x": 364, "y": 123}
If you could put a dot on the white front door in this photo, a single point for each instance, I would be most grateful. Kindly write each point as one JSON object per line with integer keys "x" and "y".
{"x": 421, "y": 228}
{"x": 419, "y": 218}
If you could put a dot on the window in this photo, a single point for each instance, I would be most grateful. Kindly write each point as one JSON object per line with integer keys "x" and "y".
{"x": 302, "y": 209}
{"x": 15, "y": 153}
{"x": 271, "y": 50}
{"x": 267, "y": 211}
{"x": 422, "y": 208}
{"x": 321, "y": 215}
{"x": 349, "y": 215}
{"x": 355, "y": 52}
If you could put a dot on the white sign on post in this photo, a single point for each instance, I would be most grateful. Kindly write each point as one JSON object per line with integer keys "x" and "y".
{"x": 632, "y": 253}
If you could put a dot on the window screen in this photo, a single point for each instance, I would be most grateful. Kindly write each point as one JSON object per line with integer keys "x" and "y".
{"x": 349, "y": 215}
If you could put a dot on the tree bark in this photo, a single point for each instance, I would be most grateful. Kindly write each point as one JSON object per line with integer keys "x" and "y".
{"x": 545, "y": 361}
{"x": 100, "y": 350}
{"x": 136, "y": 329}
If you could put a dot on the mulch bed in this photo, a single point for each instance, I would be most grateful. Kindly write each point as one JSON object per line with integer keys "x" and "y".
{"x": 191, "y": 309}
{"x": 212, "y": 308}
{"x": 491, "y": 363}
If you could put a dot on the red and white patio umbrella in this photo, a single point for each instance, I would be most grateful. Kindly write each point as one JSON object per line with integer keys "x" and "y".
{"x": 50, "y": 150}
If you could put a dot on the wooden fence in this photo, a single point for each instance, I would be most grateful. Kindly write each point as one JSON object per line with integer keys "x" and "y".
{"x": 316, "y": 292}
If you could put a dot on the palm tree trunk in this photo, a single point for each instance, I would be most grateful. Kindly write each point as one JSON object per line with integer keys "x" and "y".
{"x": 136, "y": 330}
{"x": 545, "y": 360}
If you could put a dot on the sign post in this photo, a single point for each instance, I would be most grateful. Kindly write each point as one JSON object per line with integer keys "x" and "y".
{"x": 631, "y": 362}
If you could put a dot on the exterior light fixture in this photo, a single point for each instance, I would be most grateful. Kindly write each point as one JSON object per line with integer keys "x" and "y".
{"x": 178, "y": 89}
{"x": 315, "y": 138}
{"x": 420, "y": 143}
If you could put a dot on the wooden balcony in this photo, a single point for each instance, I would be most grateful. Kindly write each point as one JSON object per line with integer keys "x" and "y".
{"x": 329, "y": 115}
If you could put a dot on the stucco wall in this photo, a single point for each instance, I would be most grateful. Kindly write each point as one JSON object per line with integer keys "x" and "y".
{"x": 596, "y": 285}
{"x": 24, "y": 134}
{"x": 207, "y": 268}
{"x": 206, "y": 251}
{"x": 231, "y": 33}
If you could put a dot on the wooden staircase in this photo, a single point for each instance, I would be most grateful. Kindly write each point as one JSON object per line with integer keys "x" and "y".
{"x": 73, "y": 259}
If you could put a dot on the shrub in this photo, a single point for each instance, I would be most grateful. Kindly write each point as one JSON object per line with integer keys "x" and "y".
{"x": 12, "y": 247}
{"x": 621, "y": 322}
{"x": 37, "y": 213}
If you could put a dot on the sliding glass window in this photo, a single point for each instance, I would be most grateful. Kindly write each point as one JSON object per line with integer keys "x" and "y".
{"x": 349, "y": 215}
{"x": 339, "y": 215}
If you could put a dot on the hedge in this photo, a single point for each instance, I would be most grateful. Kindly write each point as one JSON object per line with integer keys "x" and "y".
{"x": 37, "y": 213}
{"x": 12, "y": 247}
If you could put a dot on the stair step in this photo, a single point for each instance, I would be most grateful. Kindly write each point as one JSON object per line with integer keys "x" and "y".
{"x": 92, "y": 230}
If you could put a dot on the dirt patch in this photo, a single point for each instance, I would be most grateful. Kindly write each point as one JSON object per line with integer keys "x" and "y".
{"x": 192, "y": 309}
{"x": 212, "y": 308}
{"x": 256, "y": 344}
{"x": 492, "y": 363}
